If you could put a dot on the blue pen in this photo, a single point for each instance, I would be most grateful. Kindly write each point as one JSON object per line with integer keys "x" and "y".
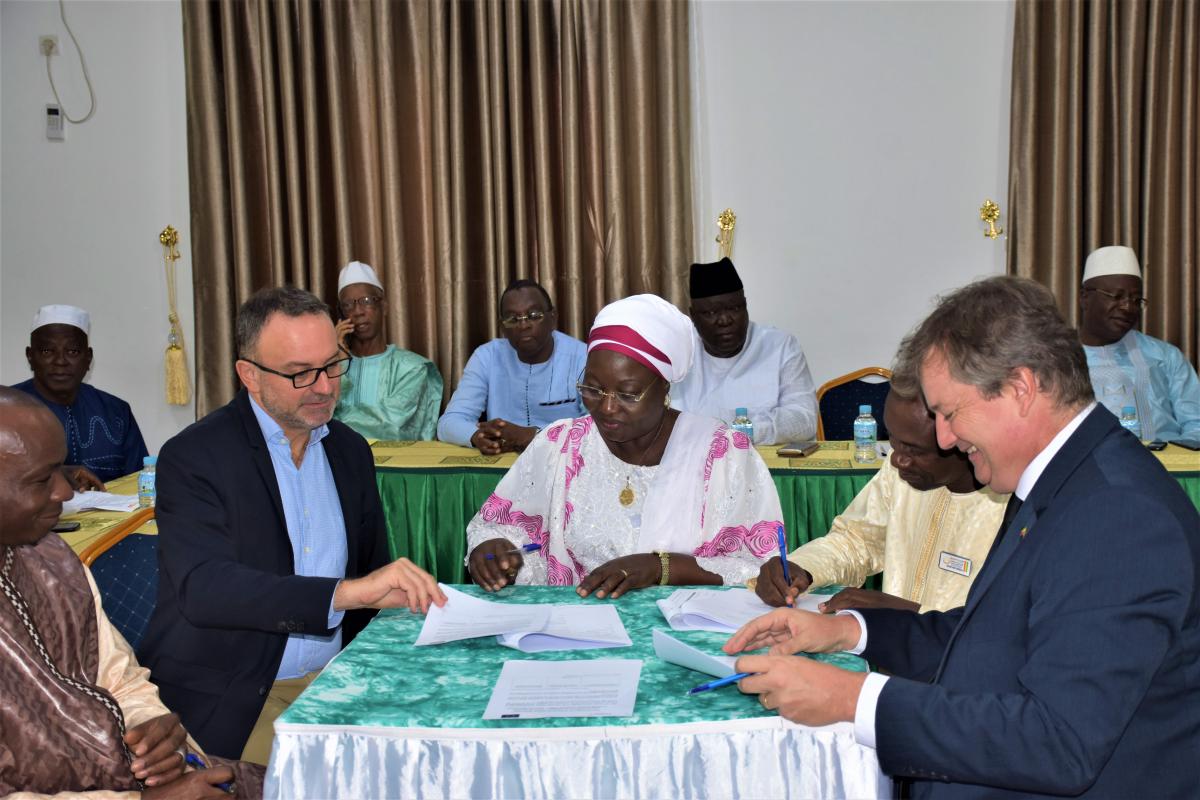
{"x": 717, "y": 684}
{"x": 525, "y": 548}
{"x": 783, "y": 556}
{"x": 194, "y": 761}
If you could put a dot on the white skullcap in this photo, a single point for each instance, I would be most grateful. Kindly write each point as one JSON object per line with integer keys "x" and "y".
{"x": 62, "y": 315}
{"x": 1114, "y": 260}
{"x": 649, "y": 330}
{"x": 357, "y": 272}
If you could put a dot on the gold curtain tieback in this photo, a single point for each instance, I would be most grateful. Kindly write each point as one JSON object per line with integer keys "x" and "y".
{"x": 665, "y": 560}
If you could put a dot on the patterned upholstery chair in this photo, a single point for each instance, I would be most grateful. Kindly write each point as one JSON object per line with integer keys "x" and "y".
{"x": 124, "y": 564}
{"x": 838, "y": 401}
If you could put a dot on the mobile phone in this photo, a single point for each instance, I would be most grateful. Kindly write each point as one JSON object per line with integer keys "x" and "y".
{"x": 1157, "y": 444}
{"x": 65, "y": 527}
{"x": 1190, "y": 444}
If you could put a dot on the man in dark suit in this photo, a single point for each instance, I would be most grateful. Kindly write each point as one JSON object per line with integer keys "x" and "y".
{"x": 272, "y": 539}
{"x": 1074, "y": 666}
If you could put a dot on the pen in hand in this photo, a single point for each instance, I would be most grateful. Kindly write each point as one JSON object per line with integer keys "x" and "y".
{"x": 193, "y": 761}
{"x": 525, "y": 548}
{"x": 787, "y": 578}
{"x": 717, "y": 684}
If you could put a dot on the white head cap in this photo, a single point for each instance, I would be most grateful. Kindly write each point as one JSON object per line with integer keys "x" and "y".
{"x": 357, "y": 272}
{"x": 1114, "y": 260}
{"x": 63, "y": 315}
{"x": 649, "y": 330}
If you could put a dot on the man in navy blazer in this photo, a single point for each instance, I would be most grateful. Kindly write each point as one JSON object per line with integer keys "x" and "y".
{"x": 272, "y": 540}
{"x": 1074, "y": 667}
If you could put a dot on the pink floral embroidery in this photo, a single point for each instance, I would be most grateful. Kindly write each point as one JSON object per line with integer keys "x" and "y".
{"x": 716, "y": 450}
{"x": 556, "y": 573}
{"x": 579, "y": 429}
{"x": 497, "y": 509}
{"x": 554, "y": 432}
{"x": 761, "y": 539}
{"x": 741, "y": 441}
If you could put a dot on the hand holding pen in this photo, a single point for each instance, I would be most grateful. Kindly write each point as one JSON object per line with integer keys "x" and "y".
{"x": 202, "y": 782}
{"x": 495, "y": 563}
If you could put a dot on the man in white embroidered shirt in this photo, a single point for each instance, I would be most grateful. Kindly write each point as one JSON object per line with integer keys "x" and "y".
{"x": 744, "y": 364}
{"x": 1072, "y": 667}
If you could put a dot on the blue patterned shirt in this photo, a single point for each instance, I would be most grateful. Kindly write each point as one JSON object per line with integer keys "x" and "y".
{"x": 318, "y": 533}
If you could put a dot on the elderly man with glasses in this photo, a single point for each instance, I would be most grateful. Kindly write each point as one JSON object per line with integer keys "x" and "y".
{"x": 272, "y": 540}
{"x": 1127, "y": 367}
{"x": 514, "y": 386}
{"x": 389, "y": 392}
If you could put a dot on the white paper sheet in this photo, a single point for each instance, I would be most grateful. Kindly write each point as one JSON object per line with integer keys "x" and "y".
{"x": 573, "y": 627}
{"x": 671, "y": 650}
{"x": 467, "y": 617}
{"x": 602, "y": 687}
{"x": 102, "y": 501}
{"x": 721, "y": 611}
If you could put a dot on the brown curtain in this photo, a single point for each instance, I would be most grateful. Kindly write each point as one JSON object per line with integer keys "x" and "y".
{"x": 454, "y": 146}
{"x": 1105, "y": 149}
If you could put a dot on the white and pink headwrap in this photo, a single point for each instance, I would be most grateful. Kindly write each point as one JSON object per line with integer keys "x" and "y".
{"x": 649, "y": 330}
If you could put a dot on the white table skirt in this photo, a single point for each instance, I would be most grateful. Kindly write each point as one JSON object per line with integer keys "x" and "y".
{"x": 751, "y": 758}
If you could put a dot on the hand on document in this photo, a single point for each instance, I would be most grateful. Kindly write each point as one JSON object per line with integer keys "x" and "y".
{"x": 400, "y": 583}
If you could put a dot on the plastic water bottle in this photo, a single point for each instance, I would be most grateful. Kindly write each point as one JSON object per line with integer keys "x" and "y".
{"x": 1129, "y": 421}
{"x": 742, "y": 422}
{"x": 146, "y": 482}
{"x": 864, "y": 436}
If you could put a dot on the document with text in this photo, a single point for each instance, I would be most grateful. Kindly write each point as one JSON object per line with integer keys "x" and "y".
{"x": 467, "y": 617}
{"x": 673, "y": 651}
{"x": 573, "y": 627}
{"x": 723, "y": 611}
{"x": 602, "y": 687}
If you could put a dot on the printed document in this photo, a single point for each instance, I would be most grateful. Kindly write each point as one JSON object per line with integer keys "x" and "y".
{"x": 573, "y": 627}
{"x": 602, "y": 687}
{"x": 673, "y": 651}
{"x": 101, "y": 501}
{"x": 723, "y": 611}
{"x": 467, "y": 617}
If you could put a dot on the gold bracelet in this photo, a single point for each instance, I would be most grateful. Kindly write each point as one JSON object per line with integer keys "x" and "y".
{"x": 665, "y": 559}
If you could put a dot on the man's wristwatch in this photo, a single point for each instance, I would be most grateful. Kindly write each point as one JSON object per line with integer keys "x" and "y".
{"x": 665, "y": 559}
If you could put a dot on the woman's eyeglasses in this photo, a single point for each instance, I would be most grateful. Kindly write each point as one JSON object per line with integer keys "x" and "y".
{"x": 513, "y": 320}
{"x": 591, "y": 394}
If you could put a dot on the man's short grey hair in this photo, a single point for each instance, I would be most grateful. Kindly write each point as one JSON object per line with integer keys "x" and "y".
{"x": 906, "y": 380}
{"x": 988, "y": 329}
{"x": 254, "y": 313}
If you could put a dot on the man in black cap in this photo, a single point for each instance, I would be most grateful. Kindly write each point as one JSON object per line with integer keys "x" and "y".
{"x": 744, "y": 364}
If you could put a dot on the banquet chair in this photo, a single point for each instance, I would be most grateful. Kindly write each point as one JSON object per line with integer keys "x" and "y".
{"x": 838, "y": 401}
{"x": 124, "y": 564}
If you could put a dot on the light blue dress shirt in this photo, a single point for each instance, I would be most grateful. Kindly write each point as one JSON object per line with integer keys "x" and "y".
{"x": 317, "y": 531}
{"x": 495, "y": 380}
{"x": 1170, "y": 393}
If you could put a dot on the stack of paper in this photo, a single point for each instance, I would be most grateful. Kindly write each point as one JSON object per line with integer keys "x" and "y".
{"x": 529, "y": 628}
{"x": 671, "y": 650}
{"x": 102, "y": 501}
{"x": 723, "y": 611}
{"x": 602, "y": 687}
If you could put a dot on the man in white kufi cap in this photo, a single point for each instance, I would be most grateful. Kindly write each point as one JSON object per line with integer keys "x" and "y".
{"x": 1129, "y": 369}
{"x": 636, "y": 493}
{"x": 388, "y": 393}
{"x": 103, "y": 439}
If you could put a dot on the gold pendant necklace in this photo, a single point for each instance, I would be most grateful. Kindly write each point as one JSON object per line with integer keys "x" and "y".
{"x": 626, "y": 497}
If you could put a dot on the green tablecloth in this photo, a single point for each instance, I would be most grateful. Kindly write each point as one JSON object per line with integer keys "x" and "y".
{"x": 448, "y": 686}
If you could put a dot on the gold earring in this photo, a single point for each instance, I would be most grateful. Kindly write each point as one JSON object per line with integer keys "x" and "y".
{"x": 667, "y": 400}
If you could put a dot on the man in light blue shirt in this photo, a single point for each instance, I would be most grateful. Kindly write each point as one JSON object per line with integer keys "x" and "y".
{"x": 519, "y": 383}
{"x": 1127, "y": 367}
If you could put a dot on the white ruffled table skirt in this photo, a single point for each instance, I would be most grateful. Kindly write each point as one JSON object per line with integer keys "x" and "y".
{"x": 749, "y": 758}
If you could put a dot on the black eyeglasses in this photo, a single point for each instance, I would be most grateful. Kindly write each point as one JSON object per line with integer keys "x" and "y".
{"x": 1120, "y": 298}
{"x": 368, "y": 302}
{"x": 513, "y": 320}
{"x": 307, "y": 377}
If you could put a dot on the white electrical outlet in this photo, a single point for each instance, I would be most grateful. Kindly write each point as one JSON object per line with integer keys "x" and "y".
{"x": 48, "y": 44}
{"x": 56, "y": 125}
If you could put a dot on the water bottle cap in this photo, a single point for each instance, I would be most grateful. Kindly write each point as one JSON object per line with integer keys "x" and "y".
{"x": 149, "y": 461}
{"x": 1128, "y": 410}
{"x": 864, "y": 409}
{"x": 739, "y": 412}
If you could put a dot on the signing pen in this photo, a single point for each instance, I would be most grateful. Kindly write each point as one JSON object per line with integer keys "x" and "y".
{"x": 194, "y": 762}
{"x": 525, "y": 548}
{"x": 717, "y": 684}
{"x": 787, "y": 579}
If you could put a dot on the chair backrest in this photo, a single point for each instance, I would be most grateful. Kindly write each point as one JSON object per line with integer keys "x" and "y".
{"x": 124, "y": 565}
{"x": 838, "y": 401}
